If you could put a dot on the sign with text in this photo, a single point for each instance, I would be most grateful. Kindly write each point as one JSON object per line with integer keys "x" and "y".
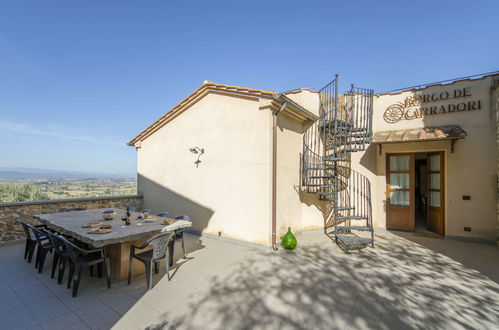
{"x": 419, "y": 106}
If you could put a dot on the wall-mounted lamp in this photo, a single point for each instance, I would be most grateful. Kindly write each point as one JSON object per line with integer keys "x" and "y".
{"x": 197, "y": 151}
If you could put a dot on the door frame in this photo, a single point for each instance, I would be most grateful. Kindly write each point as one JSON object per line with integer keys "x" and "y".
{"x": 411, "y": 191}
{"x": 443, "y": 183}
{"x": 442, "y": 189}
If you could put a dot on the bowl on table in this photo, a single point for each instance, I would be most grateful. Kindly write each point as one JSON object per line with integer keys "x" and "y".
{"x": 108, "y": 214}
{"x": 146, "y": 213}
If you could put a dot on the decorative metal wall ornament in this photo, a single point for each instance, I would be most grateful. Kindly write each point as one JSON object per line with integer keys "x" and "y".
{"x": 394, "y": 113}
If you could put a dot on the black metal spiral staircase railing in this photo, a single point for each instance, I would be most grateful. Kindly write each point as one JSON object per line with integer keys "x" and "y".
{"x": 344, "y": 126}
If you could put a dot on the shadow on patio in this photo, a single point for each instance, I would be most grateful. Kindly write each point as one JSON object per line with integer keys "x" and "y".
{"x": 478, "y": 256}
{"x": 32, "y": 300}
{"x": 398, "y": 285}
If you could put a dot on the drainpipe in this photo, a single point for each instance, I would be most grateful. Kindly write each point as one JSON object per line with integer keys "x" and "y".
{"x": 274, "y": 175}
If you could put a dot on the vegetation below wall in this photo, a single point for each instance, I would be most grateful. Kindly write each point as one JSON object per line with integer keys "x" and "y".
{"x": 19, "y": 191}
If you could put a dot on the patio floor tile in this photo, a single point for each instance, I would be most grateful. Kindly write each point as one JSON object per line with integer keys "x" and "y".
{"x": 89, "y": 311}
{"x": 18, "y": 319}
{"x": 61, "y": 322}
{"x": 47, "y": 309}
{"x": 78, "y": 326}
{"x": 104, "y": 319}
{"x": 36, "y": 295}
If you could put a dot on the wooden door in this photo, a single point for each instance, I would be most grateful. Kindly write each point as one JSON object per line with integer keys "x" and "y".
{"x": 400, "y": 192}
{"x": 436, "y": 175}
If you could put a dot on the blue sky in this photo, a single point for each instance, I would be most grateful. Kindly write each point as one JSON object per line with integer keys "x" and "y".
{"x": 78, "y": 79}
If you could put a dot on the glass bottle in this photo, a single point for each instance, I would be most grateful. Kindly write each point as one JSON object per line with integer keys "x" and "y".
{"x": 128, "y": 215}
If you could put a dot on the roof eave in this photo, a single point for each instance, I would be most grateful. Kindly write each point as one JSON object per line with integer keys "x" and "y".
{"x": 206, "y": 87}
{"x": 295, "y": 107}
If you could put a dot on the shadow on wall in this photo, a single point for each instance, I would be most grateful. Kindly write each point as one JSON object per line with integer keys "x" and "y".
{"x": 310, "y": 196}
{"x": 161, "y": 199}
{"x": 326, "y": 208}
{"x": 399, "y": 285}
{"x": 368, "y": 159}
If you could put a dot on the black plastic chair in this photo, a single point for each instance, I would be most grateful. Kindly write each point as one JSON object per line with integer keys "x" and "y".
{"x": 31, "y": 241}
{"x": 160, "y": 244}
{"x": 61, "y": 255}
{"x": 83, "y": 258}
{"x": 179, "y": 233}
{"x": 44, "y": 247}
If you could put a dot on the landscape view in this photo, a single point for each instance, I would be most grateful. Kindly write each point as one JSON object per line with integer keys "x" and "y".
{"x": 25, "y": 184}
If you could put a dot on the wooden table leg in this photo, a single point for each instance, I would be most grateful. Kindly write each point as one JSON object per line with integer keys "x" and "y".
{"x": 119, "y": 256}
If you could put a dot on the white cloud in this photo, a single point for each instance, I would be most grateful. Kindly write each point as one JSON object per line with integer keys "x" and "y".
{"x": 56, "y": 133}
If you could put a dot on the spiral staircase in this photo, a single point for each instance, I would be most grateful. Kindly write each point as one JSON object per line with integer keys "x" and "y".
{"x": 344, "y": 126}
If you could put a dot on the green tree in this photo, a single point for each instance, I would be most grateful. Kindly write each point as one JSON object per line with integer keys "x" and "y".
{"x": 18, "y": 192}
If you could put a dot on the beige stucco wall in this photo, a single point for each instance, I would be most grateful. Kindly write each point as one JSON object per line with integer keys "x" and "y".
{"x": 294, "y": 208}
{"x": 229, "y": 192}
{"x": 307, "y": 98}
{"x": 470, "y": 170}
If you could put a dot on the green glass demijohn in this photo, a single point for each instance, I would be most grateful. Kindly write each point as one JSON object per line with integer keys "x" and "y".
{"x": 289, "y": 240}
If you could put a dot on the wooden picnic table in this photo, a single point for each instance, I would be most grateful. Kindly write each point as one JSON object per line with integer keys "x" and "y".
{"x": 117, "y": 243}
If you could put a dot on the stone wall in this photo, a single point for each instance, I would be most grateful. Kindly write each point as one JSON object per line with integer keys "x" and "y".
{"x": 11, "y": 231}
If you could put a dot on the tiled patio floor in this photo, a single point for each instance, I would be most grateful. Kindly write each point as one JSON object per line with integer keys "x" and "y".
{"x": 406, "y": 282}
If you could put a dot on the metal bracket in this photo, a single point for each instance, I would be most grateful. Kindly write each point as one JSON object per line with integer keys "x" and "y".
{"x": 452, "y": 143}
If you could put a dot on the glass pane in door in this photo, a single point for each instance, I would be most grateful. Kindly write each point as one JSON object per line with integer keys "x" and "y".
{"x": 400, "y": 198}
{"x": 399, "y": 180}
{"x": 399, "y": 163}
{"x": 435, "y": 198}
{"x": 435, "y": 163}
{"x": 435, "y": 181}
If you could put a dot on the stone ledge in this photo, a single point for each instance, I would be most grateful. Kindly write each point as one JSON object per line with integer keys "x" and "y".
{"x": 69, "y": 200}
{"x": 12, "y": 231}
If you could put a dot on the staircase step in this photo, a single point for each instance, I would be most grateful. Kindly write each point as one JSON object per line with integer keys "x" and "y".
{"x": 345, "y": 208}
{"x": 351, "y": 217}
{"x": 353, "y": 142}
{"x": 359, "y": 129}
{"x": 320, "y": 185}
{"x": 339, "y": 122}
{"x": 354, "y": 242}
{"x": 333, "y": 158}
{"x": 360, "y": 228}
{"x": 353, "y": 134}
{"x": 317, "y": 168}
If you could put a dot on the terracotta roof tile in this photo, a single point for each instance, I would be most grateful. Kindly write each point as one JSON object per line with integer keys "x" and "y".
{"x": 420, "y": 134}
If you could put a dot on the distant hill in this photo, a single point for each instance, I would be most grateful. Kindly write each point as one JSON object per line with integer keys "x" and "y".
{"x": 27, "y": 173}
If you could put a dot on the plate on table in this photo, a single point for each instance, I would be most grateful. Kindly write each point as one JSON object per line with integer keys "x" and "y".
{"x": 168, "y": 221}
{"x": 100, "y": 231}
{"x": 92, "y": 224}
{"x": 108, "y": 214}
